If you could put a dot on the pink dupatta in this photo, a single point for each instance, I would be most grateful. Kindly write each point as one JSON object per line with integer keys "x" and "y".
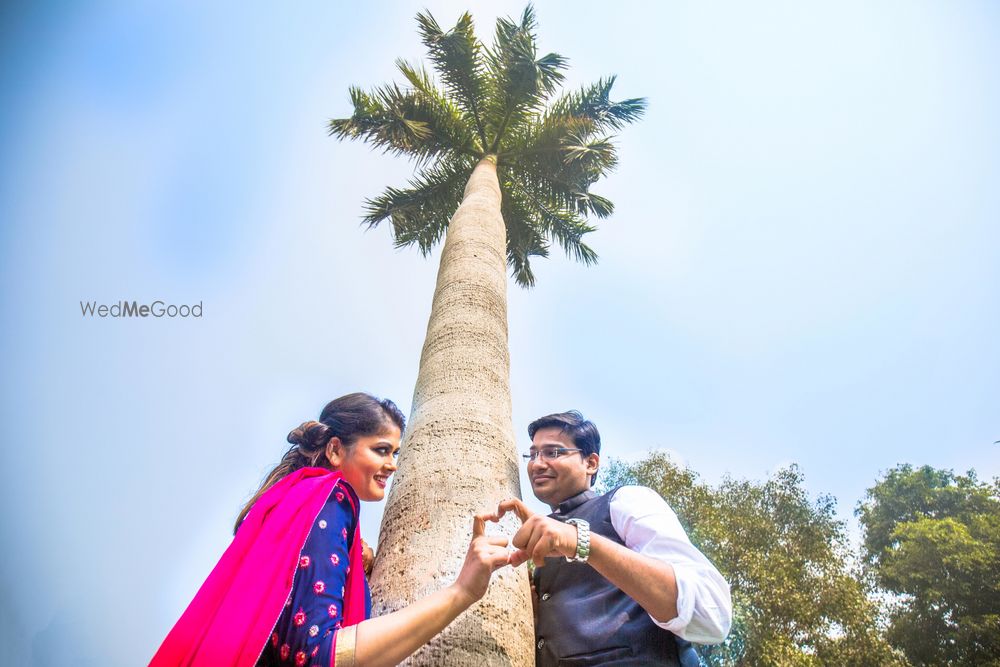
{"x": 231, "y": 617}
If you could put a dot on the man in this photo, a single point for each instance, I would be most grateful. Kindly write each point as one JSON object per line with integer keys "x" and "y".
{"x": 617, "y": 579}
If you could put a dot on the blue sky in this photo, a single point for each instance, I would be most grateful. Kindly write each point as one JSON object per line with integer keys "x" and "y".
{"x": 803, "y": 266}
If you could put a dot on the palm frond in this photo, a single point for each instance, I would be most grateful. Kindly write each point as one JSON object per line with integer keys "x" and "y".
{"x": 571, "y": 196}
{"x": 458, "y": 57}
{"x": 563, "y": 165}
{"x": 594, "y": 104}
{"x": 420, "y": 214}
{"x": 443, "y": 116}
{"x": 594, "y": 156}
{"x": 524, "y": 239}
{"x": 563, "y": 226}
{"x": 403, "y": 122}
{"x": 521, "y": 82}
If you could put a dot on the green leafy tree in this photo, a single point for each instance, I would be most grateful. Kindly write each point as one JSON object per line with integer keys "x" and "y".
{"x": 932, "y": 538}
{"x": 796, "y": 598}
{"x": 504, "y": 169}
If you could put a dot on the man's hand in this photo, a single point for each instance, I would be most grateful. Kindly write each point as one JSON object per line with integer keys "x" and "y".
{"x": 539, "y": 536}
{"x": 648, "y": 581}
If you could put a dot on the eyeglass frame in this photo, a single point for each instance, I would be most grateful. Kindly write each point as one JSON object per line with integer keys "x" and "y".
{"x": 560, "y": 452}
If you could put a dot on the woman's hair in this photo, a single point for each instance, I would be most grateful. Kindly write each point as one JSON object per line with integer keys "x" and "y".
{"x": 348, "y": 418}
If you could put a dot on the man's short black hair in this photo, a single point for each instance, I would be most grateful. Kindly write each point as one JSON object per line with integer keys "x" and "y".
{"x": 581, "y": 431}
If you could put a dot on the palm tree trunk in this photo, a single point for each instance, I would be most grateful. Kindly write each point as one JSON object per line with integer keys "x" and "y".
{"x": 458, "y": 456}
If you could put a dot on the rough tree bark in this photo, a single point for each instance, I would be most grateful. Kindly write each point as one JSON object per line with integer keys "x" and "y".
{"x": 458, "y": 456}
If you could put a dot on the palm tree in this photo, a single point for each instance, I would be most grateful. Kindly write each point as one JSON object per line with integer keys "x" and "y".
{"x": 493, "y": 142}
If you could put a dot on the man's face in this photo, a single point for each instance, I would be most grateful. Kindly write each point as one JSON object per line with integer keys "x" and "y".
{"x": 555, "y": 480}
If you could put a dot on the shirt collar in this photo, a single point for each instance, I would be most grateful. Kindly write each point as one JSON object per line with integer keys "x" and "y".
{"x": 573, "y": 502}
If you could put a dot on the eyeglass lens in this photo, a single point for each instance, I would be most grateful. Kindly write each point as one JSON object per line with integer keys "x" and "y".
{"x": 547, "y": 453}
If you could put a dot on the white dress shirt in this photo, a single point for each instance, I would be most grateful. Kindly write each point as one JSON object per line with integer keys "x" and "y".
{"x": 648, "y": 525}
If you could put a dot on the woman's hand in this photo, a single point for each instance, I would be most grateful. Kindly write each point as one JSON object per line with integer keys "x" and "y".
{"x": 367, "y": 558}
{"x": 485, "y": 555}
{"x": 387, "y": 640}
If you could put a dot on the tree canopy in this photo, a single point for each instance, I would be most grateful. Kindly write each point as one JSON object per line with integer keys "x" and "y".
{"x": 932, "y": 538}
{"x": 499, "y": 102}
{"x": 797, "y": 598}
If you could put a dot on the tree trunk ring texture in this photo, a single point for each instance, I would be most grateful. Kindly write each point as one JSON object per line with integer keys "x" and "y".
{"x": 458, "y": 456}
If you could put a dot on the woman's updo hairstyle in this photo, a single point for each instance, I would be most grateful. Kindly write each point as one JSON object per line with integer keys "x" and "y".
{"x": 348, "y": 418}
{"x": 309, "y": 441}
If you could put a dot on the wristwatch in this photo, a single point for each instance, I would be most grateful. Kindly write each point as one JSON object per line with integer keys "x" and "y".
{"x": 582, "y": 541}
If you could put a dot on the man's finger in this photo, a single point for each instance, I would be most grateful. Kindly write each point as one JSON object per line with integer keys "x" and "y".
{"x": 520, "y": 538}
{"x": 542, "y": 549}
{"x": 519, "y": 508}
{"x": 533, "y": 539}
{"x": 518, "y": 557}
{"x": 537, "y": 548}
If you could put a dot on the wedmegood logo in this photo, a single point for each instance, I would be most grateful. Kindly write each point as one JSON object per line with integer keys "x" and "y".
{"x": 135, "y": 309}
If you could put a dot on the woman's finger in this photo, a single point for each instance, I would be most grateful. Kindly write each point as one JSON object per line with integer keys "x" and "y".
{"x": 498, "y": 559}
{"x": 478, "y": 526}
{"x": 498, "y": 540}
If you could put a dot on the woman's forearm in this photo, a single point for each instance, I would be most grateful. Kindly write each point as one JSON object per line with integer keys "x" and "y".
{"x": 390, "y": 639}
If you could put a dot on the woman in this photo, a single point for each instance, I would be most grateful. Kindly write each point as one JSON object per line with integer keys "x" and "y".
{"x": 290, "y": 589}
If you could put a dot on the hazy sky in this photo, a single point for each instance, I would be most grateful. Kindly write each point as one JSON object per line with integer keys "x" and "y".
{"x": 803, "y": 266}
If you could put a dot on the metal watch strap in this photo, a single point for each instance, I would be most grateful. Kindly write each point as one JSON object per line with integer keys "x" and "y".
{"x": 582, "y": 541}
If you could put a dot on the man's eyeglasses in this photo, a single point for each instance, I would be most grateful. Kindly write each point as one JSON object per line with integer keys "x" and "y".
{"x": 548, "y": 453}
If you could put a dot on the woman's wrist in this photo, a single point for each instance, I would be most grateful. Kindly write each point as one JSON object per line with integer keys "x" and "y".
{"x": 460, "y": 597}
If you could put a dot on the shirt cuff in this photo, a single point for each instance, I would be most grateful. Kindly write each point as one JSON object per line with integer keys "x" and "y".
{"x": 685, "y": 602}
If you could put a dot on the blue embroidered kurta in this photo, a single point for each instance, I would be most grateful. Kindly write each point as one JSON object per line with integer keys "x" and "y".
{"x": 314, "y": 611}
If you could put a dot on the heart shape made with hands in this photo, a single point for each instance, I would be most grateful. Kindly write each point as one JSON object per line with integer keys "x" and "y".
{"x": 538, "y": 538}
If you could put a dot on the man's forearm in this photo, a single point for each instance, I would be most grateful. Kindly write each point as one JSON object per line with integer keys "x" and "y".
{"x": 649, "y": 582}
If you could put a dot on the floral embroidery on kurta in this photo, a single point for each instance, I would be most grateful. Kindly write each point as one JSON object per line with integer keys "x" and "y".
{"x": 307, "y": 626}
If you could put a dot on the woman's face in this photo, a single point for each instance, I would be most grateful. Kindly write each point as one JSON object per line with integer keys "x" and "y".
{"x": 368, "y": 463}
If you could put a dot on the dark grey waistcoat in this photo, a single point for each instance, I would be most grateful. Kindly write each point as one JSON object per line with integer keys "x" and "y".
{"x": 583, "y": 619}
